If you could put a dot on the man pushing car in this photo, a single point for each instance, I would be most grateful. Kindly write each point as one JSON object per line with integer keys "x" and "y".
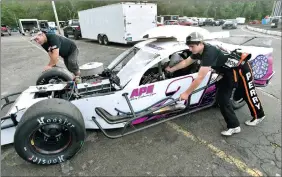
{"x": 56, "y": 46}
{"x": 236, "y": 73}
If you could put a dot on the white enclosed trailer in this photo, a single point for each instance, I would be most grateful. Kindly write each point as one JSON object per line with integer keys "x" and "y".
{"x": 119, "y": 23}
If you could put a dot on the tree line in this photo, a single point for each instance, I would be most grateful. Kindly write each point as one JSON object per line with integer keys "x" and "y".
{"x": 12, "y": 10}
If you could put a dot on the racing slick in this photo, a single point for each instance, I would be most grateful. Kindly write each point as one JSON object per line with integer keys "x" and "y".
{"x": 236, "y": 74}
{"x": 57, "y": 46}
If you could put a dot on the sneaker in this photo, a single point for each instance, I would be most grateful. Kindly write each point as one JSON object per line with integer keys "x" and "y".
{"x": 254, "y": 122}
{"x": 77, "y": 79}
{"x": 230, "y": 131}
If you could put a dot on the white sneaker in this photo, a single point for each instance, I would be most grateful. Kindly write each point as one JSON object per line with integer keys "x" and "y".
{"x": 230, "y": 131}
{"x": 254, "y": 122}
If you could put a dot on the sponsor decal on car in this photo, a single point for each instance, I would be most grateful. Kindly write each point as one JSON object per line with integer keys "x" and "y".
{"x": 142, "y": 92}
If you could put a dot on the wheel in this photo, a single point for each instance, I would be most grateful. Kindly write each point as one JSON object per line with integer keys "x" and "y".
{"x": 66, "y": 35}
{"x": 54, "y": 76}
{"x": 237, "y": 100}
{"x": 76, "y": 36}
{"x": 50, "y": 132}
{"x": 105, "y": 40}
{"x": 100, "y": 39}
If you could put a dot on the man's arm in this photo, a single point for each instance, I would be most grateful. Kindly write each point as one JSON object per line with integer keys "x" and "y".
{"x": 182, "y": 64}
{"x": 54, "y": 57}
{"x": 201, "y": 75}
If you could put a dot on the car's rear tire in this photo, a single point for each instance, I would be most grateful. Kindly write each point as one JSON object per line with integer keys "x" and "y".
{"x": 54, "y": 75}
{"x": 50, "y": 132}
{"x": 237, "y": 100}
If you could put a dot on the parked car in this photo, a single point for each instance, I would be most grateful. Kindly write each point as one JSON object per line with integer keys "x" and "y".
{"x": 209, "y": 22}
{"x": 229, "y": 24}
{"x": 219, "y": 22}
{"x": 276, "y": 22}
{"x": 5, "y": 30}
{"x": 171, "y": 22}
{"x": 73, "y": 29}
{"x": 187, "y": 22}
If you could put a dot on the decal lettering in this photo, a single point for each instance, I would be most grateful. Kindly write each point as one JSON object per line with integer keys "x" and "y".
{"x": 231, "y": 63}
{"x": 248, "y": 75}
{"x": 39, "y": 161}
{"x": 61, "y": 159}
{"x": 250, "y": 84}
{"x": 41, "y": 121}
{"x": 143, "y": 91}
{"x": 43, "y": 161}
{"x": 257, "y": 105}
{"x": 253, "y": 93}
{"x": 252, "y": 90}
{"x": 49, "y": 161}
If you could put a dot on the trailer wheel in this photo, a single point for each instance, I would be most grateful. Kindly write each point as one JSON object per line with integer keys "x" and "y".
{"x": 105, "y": 40}
{"x": 100, "y": 39}
{"x": 55, "y": 75}
{"x": 50, "y": 132}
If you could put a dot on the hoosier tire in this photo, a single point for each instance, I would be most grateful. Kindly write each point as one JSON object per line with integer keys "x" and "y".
{"x": 57, "y": 74}
{"x": 50, "y": 132}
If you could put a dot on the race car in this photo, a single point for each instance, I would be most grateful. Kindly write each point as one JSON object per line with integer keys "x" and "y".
{"x": 47, "y": 122}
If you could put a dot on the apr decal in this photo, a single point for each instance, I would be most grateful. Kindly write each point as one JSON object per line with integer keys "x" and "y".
{"x": 142, "y": 92}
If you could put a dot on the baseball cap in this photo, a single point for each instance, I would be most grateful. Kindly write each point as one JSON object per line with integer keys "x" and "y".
{"x": 194, "y": 37}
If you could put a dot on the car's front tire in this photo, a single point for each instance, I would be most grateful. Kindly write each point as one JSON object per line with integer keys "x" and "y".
{"x": 51, "y": 131}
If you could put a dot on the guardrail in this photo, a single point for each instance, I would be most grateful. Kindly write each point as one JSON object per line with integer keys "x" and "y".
{"x": 275, "y": 33}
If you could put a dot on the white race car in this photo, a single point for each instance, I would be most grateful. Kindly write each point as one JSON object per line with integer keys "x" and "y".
{"x": 47, "y": 122}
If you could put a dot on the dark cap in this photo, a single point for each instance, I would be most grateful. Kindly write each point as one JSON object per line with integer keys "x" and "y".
{"x": 194, "y": 38}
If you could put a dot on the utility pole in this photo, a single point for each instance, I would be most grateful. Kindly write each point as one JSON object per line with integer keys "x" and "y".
{"x": 56, "y": 16}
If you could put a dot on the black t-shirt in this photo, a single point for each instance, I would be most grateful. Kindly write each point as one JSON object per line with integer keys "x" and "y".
{"x": 65, "y": 45}
{"x": 211, "y": 56}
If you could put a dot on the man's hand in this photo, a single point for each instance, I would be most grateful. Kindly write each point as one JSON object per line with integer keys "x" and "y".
{"x": 184, "y": 96}
{"x": 169, "y": 69}
{"x": 47, "y": 67}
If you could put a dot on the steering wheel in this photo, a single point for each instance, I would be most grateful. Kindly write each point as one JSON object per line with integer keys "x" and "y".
{"x": 166, "y": 73}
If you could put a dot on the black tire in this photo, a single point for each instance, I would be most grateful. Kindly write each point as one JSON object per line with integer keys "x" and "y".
{"x": 65, "y": 122}
{"x": 237, "y": 100}
{"x": 66, "y": 35}
{"x": 56, "y": 74}
{"x": 76, "y": 35}
{"x": 100, "y": 39}
{"x": 105, "y": 40}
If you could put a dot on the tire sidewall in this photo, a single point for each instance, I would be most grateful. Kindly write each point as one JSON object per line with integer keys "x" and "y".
{"x": 54, "y": 72}
{"x": 24, "y": 148}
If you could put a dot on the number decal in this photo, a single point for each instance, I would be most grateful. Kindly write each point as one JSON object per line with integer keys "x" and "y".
{"x": 178, "y": 85}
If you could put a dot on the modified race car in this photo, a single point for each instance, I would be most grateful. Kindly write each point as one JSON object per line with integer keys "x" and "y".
{"x": 47, "y": 122}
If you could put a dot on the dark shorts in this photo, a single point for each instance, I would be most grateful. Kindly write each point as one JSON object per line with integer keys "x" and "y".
{"x": 71, "y": 62}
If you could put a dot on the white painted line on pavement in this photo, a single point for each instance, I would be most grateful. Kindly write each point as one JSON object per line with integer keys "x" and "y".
{"x": 259, "y": 34}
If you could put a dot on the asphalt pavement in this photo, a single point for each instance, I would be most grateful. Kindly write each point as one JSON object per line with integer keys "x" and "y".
{"x": 189, "y": 146}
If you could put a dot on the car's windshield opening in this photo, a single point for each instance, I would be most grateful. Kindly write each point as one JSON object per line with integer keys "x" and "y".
{"x": 133, "y": 62}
